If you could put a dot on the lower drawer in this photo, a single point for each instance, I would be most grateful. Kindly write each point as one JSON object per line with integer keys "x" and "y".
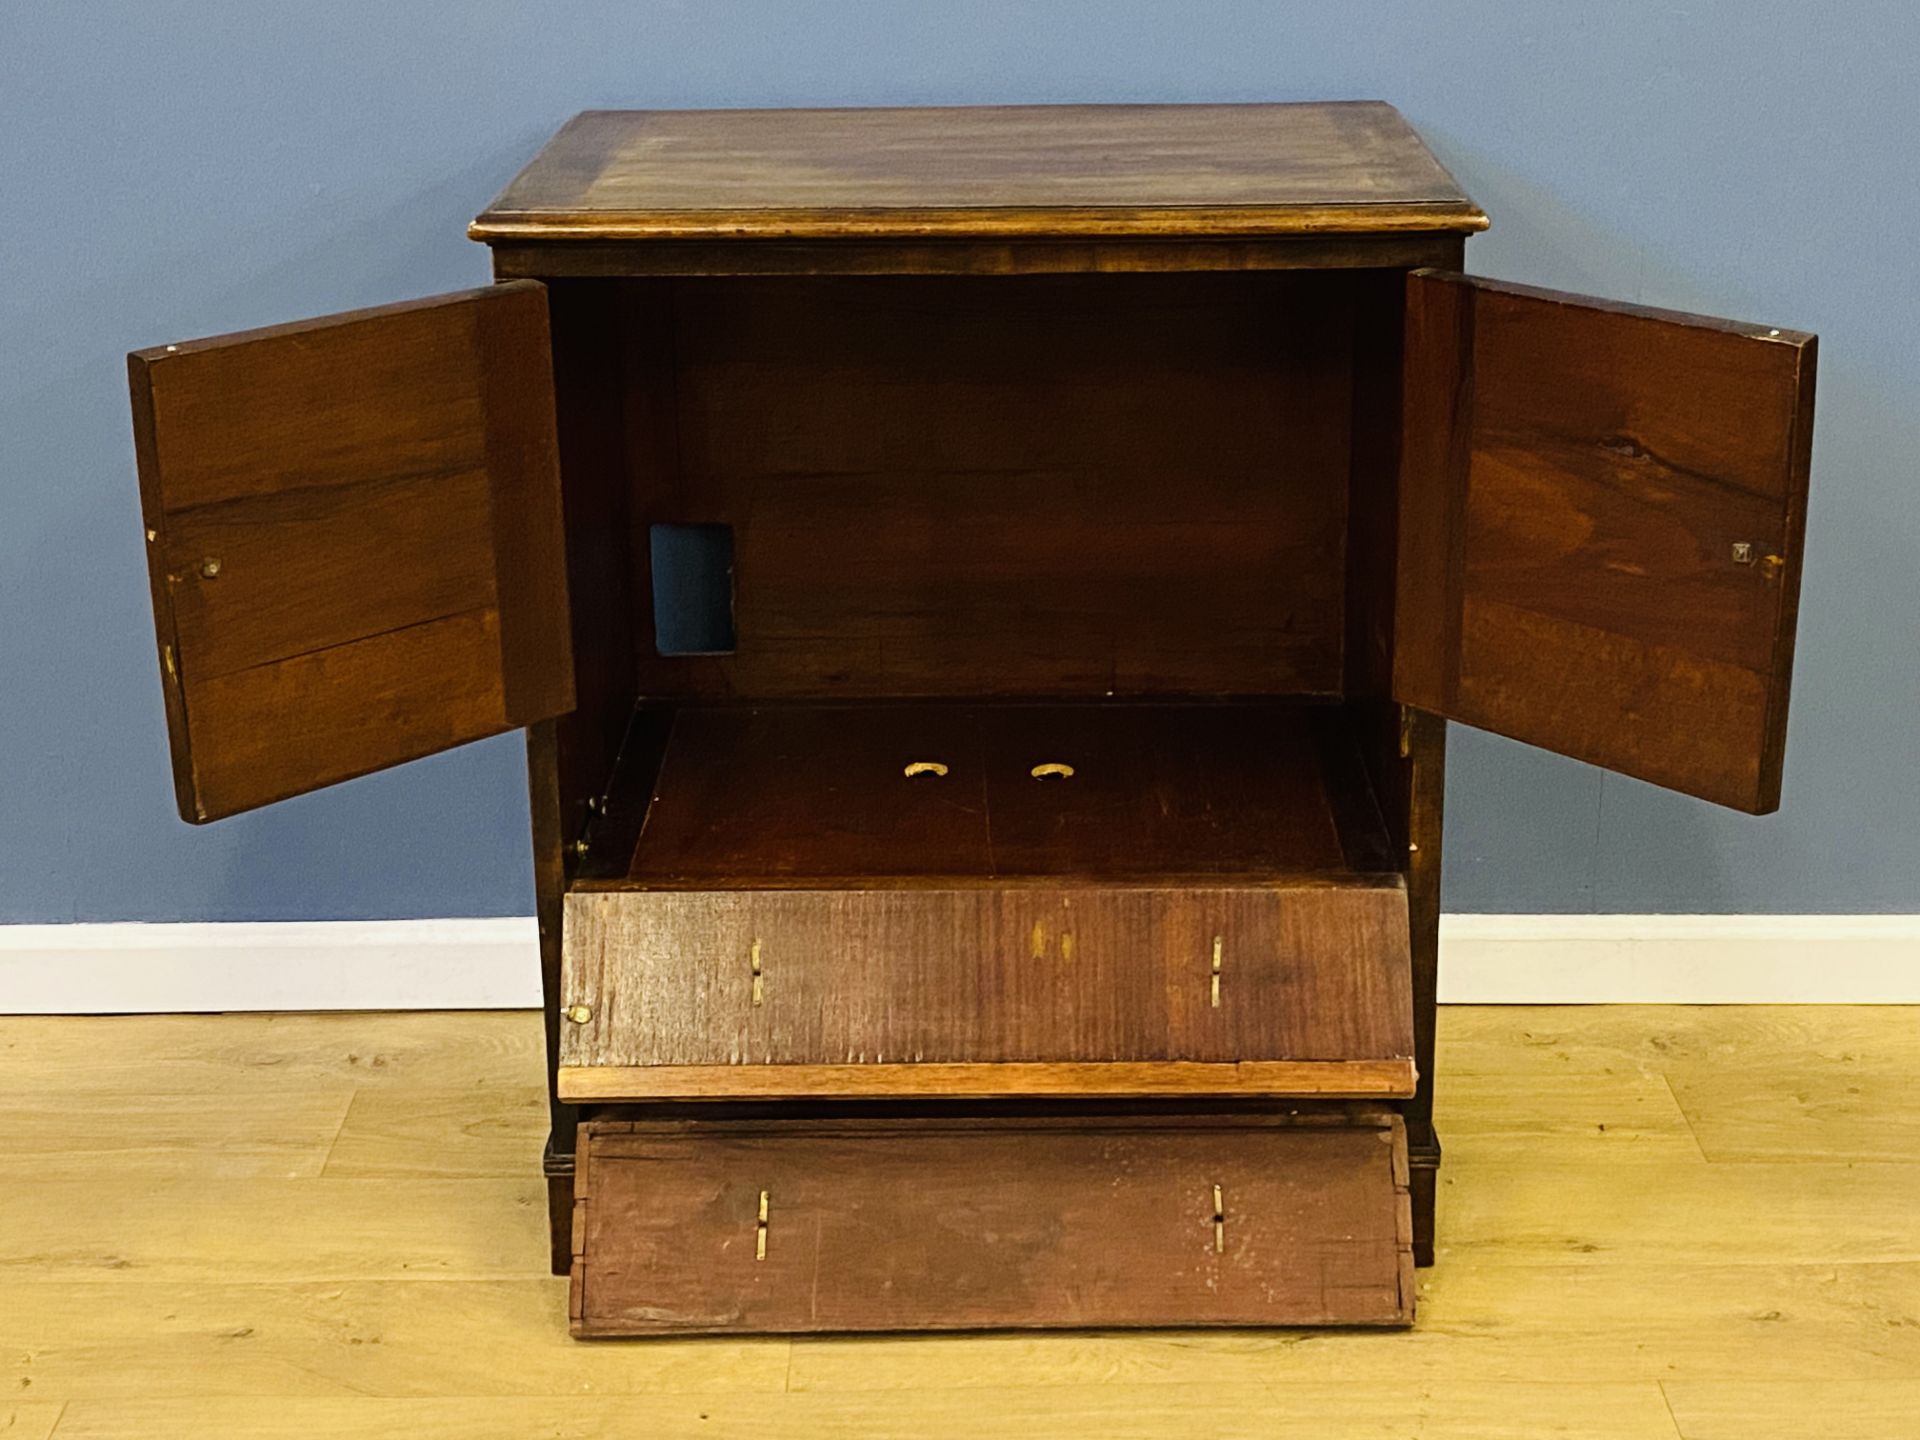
{"x": 768, "y": 1226}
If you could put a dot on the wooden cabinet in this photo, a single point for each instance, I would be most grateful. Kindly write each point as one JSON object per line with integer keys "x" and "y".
{"x": 984, "y": 589}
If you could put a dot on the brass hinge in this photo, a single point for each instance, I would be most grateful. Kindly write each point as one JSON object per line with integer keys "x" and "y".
{"x": 596, "y": 807}
{"x": 1219, "y": 1223}
{"x": 1213, "y": 979}
{"x": 760, "y": 1230}
{"x": 1406, "y": 731}
{"x": 759, "y": 983}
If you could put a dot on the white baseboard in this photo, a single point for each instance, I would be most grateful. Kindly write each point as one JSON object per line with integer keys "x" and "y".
{"x": 1679, "y": 959}
{"x": 282, "y": 965}
{"x": 494, "y": 964}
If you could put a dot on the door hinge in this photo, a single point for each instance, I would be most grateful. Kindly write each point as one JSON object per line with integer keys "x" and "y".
{"x": 596, "y": 807}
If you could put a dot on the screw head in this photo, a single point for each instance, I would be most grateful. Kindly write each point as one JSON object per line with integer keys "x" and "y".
{"x": 579, "y": 1014}
{"x": 210, "y": 567}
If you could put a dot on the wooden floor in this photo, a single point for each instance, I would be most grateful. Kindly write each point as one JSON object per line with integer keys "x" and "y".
{"x": 1655, "y": 1222}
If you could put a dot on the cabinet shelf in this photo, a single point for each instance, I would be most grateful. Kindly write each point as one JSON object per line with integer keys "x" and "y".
{"x": 882, "y": 794}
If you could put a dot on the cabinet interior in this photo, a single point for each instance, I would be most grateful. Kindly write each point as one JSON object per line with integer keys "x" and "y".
{"x": 803, "y": 794}
{"x": 1140, "y": 525}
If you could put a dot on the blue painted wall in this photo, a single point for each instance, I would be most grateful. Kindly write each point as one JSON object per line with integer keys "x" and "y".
{"x": 177, "y": 169}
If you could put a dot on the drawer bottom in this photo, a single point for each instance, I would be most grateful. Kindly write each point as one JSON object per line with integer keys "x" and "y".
{"x": 785, "y": 1226}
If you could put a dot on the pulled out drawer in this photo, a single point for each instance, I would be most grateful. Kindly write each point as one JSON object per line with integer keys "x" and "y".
{"x": 1291, "y": 989}
{"x": 757, "y": 1226}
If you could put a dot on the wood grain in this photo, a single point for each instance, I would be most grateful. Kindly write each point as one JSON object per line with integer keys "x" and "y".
{"x": 1577, "y": 477}
{"x": 1040, "y": 975}
{"x": 909, "y": 467}
{"x": 988, "y": 171}
{"x": 877, "y": 1226}
{"x": 354, "y": 538}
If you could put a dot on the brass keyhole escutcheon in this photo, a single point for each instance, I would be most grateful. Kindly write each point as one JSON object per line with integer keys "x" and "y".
{"x": 925, "y": 767}
{"x": 1052, "y": 770}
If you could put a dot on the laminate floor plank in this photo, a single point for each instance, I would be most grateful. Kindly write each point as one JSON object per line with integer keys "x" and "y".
{"x": 157, "y": 1135}
{"x": 1113, "y": 1412}
{"x": 1795, "y": 1410}
{"x": 480, "y": 1131}
{"x": 28, "y": 1422}
{"x": 1609, "y": 1115}
{"x": 1494, "y": 1324}
{"x": 1567, "y": 1210}
{"x": 267, "y": 1053}
{"x": 393, "y": 1339}
{"x": 111, "y": 1231}
{"x": 1754, "y": 1082}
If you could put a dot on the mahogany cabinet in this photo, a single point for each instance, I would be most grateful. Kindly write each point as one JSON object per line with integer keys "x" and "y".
{"x": 984, "y": 589}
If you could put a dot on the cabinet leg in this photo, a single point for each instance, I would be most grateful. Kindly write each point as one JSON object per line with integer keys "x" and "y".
{"x": 1423, "y": 1183}
{"x": 560, "y": 1221}
{"x": 559, "y": 1173}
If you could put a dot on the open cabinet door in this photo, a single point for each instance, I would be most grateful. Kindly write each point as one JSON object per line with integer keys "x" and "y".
{"x": 355, "y": 543}
{"x": 1601, "y": 510}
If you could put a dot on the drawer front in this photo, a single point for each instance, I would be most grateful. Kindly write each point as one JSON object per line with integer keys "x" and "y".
{"x": 794, "y": 1226}
{"x": 1300, "y": 989}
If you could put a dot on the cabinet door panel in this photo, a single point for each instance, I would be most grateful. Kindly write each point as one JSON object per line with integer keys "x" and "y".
{"x": 1600, "y": 532}
{"x": 354, "y": 539}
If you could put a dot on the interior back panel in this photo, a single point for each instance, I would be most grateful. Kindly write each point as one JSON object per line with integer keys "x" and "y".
{"x": 947, "y": 486}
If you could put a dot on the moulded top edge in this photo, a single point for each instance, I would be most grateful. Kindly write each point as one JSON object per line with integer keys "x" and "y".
{"x": 990, "y": 172}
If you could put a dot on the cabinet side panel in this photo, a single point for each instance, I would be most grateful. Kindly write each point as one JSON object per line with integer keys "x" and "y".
{"x": 591, "y": 327}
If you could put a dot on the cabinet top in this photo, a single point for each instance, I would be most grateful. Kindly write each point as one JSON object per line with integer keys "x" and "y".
{"x": 983, "y": 173}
